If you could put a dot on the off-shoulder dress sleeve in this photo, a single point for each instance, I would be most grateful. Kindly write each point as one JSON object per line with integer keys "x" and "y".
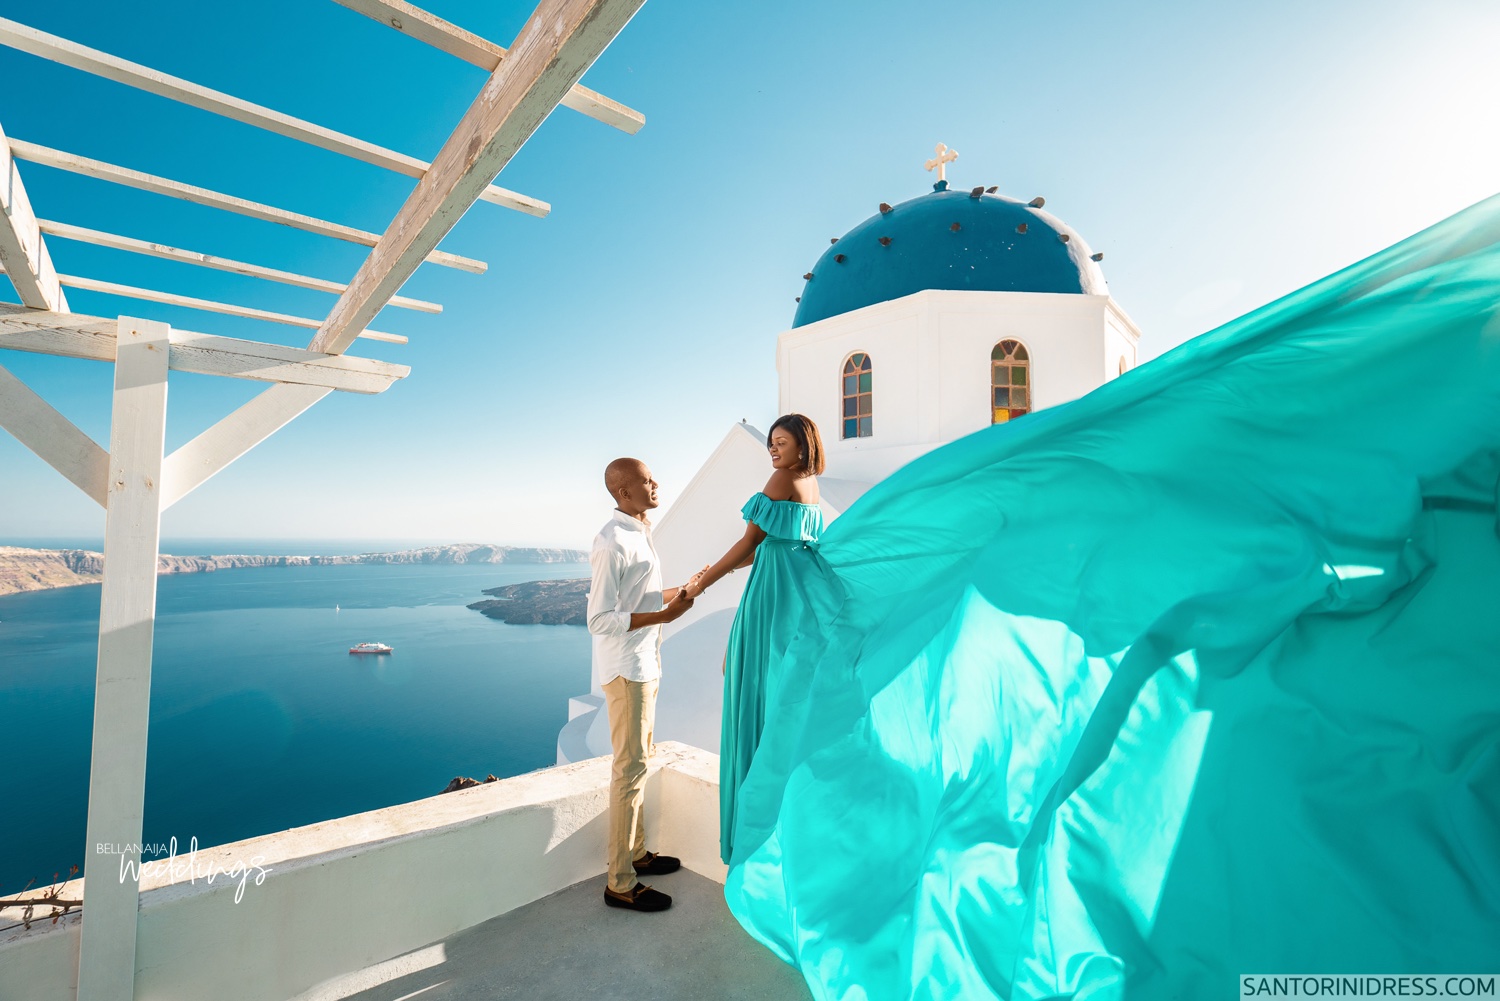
{"x": 783, "y": 519}
{"x": 760, "y": 510}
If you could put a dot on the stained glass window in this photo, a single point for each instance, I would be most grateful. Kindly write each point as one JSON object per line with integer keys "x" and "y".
{"x": 858, "y": 397}
{"x": 1010, "y": 382}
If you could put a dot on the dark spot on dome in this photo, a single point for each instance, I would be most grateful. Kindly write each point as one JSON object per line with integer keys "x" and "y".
{"x": 839, "y": 258}
{"x": 834, "y": 240}
{"x": 1097, "y": 257}
{"x": 808, "y": 276}
{"x": 1037, "y": 202}
{"x": 975, "y": 193}
{"x": 1021, "y": 228}
{"x": 1063, "y": 237}
{"x": 992, "y": 188}
{"x": 885, "y": 241}
{"x": 955, "y": 227}
{"x": 884, "y": 208}
{"x": 799, "y": 298}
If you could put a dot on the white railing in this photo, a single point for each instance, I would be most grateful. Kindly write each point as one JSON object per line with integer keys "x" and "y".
{"x": 321, "y": 902}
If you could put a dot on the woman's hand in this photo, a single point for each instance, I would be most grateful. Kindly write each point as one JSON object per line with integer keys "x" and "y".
{"x": 693, "y": 588}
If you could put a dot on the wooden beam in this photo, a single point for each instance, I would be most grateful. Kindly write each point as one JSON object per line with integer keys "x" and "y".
{"x": 207, "y": 354}
{"x": 208, "y": 454}
{"x": 81, "y": 234}
{"x": 70, "y": 335}
{"x": 122, "y": 699}
{"x": 98, "y": 169}
{"x": 102, "y": 64}
{"x": 450, "y": 38}
{"x": 23, "y": 252}
{"x": 53, "y": 437}
{"x": 561, "y": 39}
{"x": 209, "y": 306}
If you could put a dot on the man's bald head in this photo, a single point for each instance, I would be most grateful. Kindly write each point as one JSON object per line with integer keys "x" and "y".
{"x": 620, "y": 472}
{"x": 630, "y": 485}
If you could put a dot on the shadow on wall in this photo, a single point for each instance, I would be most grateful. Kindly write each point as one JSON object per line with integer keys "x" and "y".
{"x": 690, "y": 702}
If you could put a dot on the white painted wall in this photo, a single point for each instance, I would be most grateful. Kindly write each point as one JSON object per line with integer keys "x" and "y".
{"x": 349, "y": 893}
{"x": 1122, "y": 339}
{"x": 931, "y": 357}
{"x": 704, "y": 520}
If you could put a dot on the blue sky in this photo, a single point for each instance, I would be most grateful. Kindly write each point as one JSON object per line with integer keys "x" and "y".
{"x": 1220, "y": 155}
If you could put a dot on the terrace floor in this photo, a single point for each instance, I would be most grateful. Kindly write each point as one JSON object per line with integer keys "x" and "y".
{"x": 570, "y": 945}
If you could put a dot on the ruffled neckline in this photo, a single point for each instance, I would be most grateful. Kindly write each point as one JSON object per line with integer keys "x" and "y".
{"x": 762, "y": 493}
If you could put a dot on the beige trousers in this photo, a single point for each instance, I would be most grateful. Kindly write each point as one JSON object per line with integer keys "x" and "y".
{"x": 632, "y": 717}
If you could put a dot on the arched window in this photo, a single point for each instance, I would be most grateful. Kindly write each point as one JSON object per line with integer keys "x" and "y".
{"x": 1010, "y": 381}
{"x": 1123, "y": 367}
{"x": 857, "y": 396}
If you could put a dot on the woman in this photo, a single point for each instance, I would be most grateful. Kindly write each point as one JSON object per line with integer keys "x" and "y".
{"x": 1190, "y": 677}
{"x": 783, "y": 522}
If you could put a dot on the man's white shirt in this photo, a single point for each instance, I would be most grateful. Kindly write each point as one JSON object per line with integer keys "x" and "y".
{"x": 627, "y": 579}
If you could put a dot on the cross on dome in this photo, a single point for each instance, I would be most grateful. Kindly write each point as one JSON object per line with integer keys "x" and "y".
{"x": 940, "y": 162}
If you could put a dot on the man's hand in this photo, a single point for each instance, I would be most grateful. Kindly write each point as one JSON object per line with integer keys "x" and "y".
{"x": 679, "y": 604}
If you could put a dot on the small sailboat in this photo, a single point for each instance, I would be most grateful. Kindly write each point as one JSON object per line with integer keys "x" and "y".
{"x": 371, "y": 648}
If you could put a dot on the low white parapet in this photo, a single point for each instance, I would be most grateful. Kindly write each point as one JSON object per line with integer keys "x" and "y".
{"x": 321, "y": 902}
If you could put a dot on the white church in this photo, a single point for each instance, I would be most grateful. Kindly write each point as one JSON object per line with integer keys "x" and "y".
{"x": 930, "y": 320}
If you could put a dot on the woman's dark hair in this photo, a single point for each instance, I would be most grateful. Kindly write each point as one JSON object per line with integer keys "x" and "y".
{"x": 805, "y": 433}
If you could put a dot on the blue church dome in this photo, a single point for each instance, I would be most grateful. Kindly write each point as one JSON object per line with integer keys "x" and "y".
{"x": 948, "y": 240}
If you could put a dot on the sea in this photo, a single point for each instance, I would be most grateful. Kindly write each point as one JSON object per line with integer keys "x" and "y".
{"x": 261, "y": 720}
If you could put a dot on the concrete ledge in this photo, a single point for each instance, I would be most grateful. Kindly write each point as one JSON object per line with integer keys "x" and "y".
{"x": 326, "y": 900}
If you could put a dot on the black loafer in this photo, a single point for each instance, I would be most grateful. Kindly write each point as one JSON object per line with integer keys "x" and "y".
{"x": 652, "y": 864}
{"x": 642, "y": 898}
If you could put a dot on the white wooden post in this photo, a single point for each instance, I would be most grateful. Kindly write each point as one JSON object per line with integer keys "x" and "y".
{"x": 122, "y": 693}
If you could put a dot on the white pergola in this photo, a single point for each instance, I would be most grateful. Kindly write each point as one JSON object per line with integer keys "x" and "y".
{"x": 134, "y": 480}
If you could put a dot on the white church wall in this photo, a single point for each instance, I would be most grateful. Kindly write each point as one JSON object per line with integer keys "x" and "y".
{"x": 1062, "y": 334}
{"x": 1121, "y": 339}
{"x": 704, "y": 520}
{"x": 930, "y": 353}
{"x": 810, "y": 362}
{"x": 701, "y": 525}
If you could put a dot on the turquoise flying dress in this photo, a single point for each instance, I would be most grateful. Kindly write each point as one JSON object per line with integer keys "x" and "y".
{"x": 1194, "y": 678}
{"x": 762, "y": 631}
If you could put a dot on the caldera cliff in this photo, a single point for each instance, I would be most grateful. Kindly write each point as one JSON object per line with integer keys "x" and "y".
{"x": 39, "y": 569}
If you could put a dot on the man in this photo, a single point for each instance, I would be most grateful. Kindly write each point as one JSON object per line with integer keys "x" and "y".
{"x": 627, "y": 608}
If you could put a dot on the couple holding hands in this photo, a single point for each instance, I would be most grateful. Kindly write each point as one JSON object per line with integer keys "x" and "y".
{"x": 628, "y": 606}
